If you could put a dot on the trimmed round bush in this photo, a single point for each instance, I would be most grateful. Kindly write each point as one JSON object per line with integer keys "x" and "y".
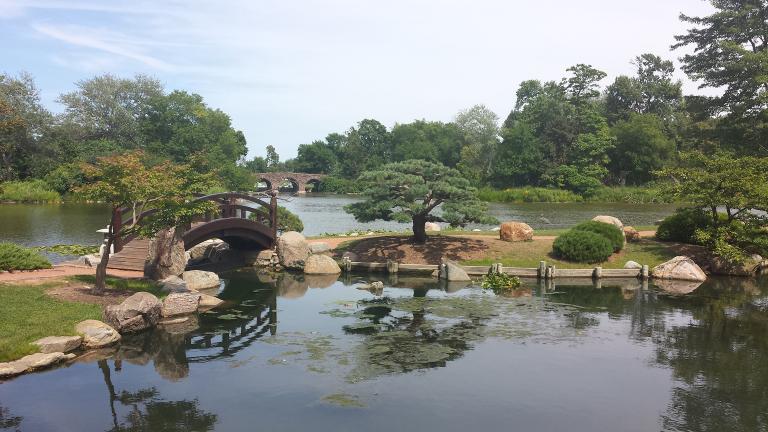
{"x": 15, "y": 257}
{"x": 582, "y": 246}
{"x": 609, "y": 231}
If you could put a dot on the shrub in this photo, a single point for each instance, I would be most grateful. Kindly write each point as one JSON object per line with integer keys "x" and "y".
{"x": 582, "y": 246}
{"x": 609, "y": 231}
{"x": 500, "y": 282}
{"x": 681, "y": 226}
{"x": 286, "y": 221}
{"x": 15, "y": 257}
{"x": 28, "y": 191}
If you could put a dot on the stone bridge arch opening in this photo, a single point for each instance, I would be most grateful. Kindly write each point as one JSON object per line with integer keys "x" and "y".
{"x": 289, "y": 182}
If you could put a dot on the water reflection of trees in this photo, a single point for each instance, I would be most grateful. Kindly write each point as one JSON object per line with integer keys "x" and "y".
{"x": 719, "y": 360}
{"x": 9, "y": 421}
{"x": 147, "y": 411}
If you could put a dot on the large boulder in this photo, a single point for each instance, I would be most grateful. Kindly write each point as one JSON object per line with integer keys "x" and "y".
{"x": 631, "y": 234}
{"x": 431, "y": 226}
{"x": 206, "y": 250}
{"x": 52, "y": 344}
{"x": 293, "y": 250}
{"x": 32, "y": 362}
{"x": 180, "y": 304}
{"x": 200, "y": 280}
{"x": 321, "y": 264}
{"x": 679, "y": 268}
{"x": 96, "y": 334}
{"x": 609, "y": 220}
{"x": 452, "y": 272}
{"x": 515, "y": 231}
{"x": 138, "y": 312}
{"x": 166, "y": 255}
{"x": 633, "y": 265}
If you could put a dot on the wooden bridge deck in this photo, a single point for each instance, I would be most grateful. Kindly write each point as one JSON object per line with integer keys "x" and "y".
{"x": 132, "y": 256}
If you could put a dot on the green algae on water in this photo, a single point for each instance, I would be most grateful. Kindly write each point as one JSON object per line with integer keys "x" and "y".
{"x": 344, "y": 400}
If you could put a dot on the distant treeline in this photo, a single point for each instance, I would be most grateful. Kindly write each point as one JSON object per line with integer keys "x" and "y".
{"x": 576, "y": 134}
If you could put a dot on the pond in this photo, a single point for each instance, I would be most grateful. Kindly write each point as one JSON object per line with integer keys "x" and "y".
{"x": 76, "y": 223}
{"x": 316, "y": 353}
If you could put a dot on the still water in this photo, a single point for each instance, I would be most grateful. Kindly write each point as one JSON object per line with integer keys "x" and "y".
{"x": 301, "y": 353}
{"x": 33, "y": 224}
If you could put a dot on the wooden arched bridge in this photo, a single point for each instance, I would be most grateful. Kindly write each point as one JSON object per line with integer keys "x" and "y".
{"x": 273, "y": 180}
{"x": 244, "y": 221}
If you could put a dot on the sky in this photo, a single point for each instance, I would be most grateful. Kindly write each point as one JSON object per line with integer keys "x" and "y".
{"x": 290, "y": 72}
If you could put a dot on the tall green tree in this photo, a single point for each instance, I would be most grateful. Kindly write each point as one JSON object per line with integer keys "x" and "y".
{"x": 413, "y": 191}
{"x": 317, "y": 157}
{"x": 641, "y": 148}
{"x": 480, "y": 127}
{"x": 273, "y": 159}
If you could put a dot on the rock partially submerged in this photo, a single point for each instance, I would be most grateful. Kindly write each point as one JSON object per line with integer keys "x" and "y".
{"x": 452, "y": 272}
{"x": 208, "y": 302}
{"x": 321, "y": 264}
{"x": 376, "y": 288}
{"x": 96, "y": 334}
{"x": 293, "y": 250}
{"x": 32, "y": 362}
{"x": 138, "y": 312}
{"x": 679, "y": 268}
{"x": 200, "y": 280}
{"x": 53, "y": 344}
{"x": 176, "y": 304}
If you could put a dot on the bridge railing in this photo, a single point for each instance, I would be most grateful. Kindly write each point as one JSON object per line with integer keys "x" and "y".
{"x": 230, "y": 205}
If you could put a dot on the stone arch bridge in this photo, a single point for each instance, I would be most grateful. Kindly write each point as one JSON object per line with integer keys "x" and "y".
{"x": 299, "y": 180}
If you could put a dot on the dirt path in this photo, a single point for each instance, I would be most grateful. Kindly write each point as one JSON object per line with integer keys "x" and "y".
{"x": 61, "y": 271}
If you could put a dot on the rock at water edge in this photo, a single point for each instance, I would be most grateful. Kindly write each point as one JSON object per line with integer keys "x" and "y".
{"x": 180, "y": 304}
{"x": 52, "y": 344}
{"x": 679, "y": 268}
{"x": 200, "y": 280}
{"x": 321, "y": 264}
{"x": 452, "y": 272}
{"x": 633, "y": 265}
{"x": 96, "y": 334}
{"x": 138, "y": 312}
{"x": 293, "y": 250}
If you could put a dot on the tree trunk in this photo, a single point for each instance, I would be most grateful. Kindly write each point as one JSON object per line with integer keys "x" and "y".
{"x": 101, "y": 269}
{"x": 419, "y": 231}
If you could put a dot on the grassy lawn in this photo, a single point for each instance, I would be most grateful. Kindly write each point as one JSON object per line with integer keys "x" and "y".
{"x": 28, "y": 314}
{"x": 125, "y": 284}
{"x": 528, "y": 254}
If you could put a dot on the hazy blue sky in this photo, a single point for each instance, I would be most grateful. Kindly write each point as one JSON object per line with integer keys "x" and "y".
{"x": 289, "y": 72}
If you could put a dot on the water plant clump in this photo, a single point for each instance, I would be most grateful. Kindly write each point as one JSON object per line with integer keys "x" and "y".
{"x": 500, "y": 282}
{"x": 69, "y": 249}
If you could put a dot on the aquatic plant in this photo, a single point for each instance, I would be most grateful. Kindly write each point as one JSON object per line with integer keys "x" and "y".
{"x": 69, "y": 249}
{"x": 500, "y": 282}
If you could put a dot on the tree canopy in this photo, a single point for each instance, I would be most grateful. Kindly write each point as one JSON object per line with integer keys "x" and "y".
{"x": 418, "y": 191}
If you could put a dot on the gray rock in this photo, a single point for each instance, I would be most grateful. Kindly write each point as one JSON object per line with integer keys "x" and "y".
{"x": 321, "y": 264}
{"x": 180, "y": 304}
{"x": 52, "y": 344}
{"x": 200, "y": 280}
{"x": 319, "y": 247}
{"x": 96, "y": 334}
{"x": 89, "y": 260}
{"x": 609, "y": 220}
{"x": 206, "y": 249}
{"x": 452, "y": 272}
{"x": 633, "y": 265}
{"x": 679, "y": 268}
{"x": 293, "y": 250}
{"x": 167, "y": 256}
{"x": 174, "y": 284}
{"x": 138, "y": 312}
{"x": 376, "y": 288}
{"x": 32, "y": 362}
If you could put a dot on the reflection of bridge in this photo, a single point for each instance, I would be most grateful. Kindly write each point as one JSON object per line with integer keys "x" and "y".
{"x": 243, "y": 221}
{"x": 300, "y": 181}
